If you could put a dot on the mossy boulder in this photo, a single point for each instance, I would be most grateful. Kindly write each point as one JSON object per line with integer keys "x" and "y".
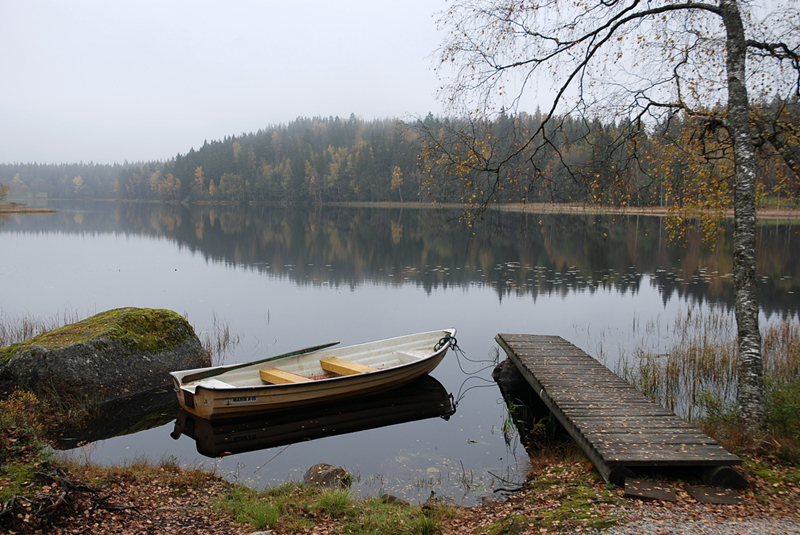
{"x": 109, "y": 355}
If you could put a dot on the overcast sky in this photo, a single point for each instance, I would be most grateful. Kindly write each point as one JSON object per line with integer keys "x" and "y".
{"x": 108, "y": 81}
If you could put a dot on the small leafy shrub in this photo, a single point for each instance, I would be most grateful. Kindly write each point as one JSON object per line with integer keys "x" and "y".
{"x": 21, "y": 428}
{"x": 721, "y": 421}
{"x": 24, "y": 455}
{"x": 783, "y": 417}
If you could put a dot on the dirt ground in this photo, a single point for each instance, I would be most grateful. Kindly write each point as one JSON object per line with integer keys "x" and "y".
{"x": 173, "y": 500}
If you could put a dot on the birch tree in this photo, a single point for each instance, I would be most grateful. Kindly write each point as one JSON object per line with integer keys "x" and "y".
{"x": 637, "y": 63}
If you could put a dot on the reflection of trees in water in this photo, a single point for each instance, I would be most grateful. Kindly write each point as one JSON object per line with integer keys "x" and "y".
{"x": 519, "y": 255}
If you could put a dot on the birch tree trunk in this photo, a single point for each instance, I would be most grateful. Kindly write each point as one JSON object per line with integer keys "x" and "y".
{"x": 752, "y": 411}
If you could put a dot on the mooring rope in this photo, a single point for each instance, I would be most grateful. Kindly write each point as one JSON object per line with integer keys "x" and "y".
{"x": 445, "y": 340}
{"x": 453, "y": 343}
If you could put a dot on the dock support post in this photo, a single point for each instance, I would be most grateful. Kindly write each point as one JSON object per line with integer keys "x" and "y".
{"x": 724, "y": 476}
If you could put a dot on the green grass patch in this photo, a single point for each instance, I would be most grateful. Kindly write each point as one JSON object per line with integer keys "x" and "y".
{"x": 511, "y": 525}
{"x": 248, "y": 507}
{"x": 18, "y": 479}
{"x": 564, "y": 499}
{"x": 288, "y": 504}
{"x": 333, "y": 502}
{"x": 376, "y": 517}
{"x": 298, "y": 507}
{"x": 575, "y": 503}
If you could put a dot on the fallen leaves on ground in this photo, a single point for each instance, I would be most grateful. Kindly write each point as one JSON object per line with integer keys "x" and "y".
{"x": 172, "y": 500}
{"x": 154, "y": 501}
{"x": 765, "y": 499}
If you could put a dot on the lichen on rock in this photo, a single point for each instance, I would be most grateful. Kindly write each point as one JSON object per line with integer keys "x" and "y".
{"x": 111, "y": 354}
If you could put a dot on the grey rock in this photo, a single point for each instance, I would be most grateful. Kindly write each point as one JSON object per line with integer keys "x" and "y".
{"x": 328, "y": 476}
{"x": 112, "y": 354}
{"x": 490, "y": 501}
{"x": 508, "y": 376}
{"x": 389, "y": 498}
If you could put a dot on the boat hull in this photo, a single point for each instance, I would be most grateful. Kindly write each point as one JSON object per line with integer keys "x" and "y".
{"x": 398, "y": 361}
{"x": 423, "y": 398}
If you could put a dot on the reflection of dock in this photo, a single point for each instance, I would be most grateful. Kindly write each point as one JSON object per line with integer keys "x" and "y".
{"x": 616, "y": 425}
{"x": 422, "y": 399}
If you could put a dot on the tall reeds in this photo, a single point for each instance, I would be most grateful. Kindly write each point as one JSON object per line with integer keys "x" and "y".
{"x": 696, "y": 375}
{"x": 781, "y": 348}
{"x": 219, "y": 342}
{"x": 700, "y": 361}
{"x": 15, "y": 329}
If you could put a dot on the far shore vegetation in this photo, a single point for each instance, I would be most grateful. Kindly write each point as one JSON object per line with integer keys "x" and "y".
{"x": 19, "y": 208}
{"x": 324, "y": 160}
{"x": 765, "y": 213}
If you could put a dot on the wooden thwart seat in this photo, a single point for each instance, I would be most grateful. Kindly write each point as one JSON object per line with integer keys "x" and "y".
{"x": 344, "y": 367}
{"x": 276, "y": 376}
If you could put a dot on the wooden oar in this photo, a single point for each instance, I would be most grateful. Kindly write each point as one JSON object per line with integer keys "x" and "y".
{"x": 223, "y": 369}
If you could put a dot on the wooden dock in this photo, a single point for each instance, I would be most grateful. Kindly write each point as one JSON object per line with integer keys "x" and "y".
{"x": 618, "y": 428}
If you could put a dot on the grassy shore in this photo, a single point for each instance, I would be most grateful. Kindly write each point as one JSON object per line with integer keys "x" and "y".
{"x": 766, "y": 212}
{"x": 16, "y": 208}
{"x": 563, "y": 493}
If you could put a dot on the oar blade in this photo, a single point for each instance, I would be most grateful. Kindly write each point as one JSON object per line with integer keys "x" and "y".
{"x": 223, "y": 369}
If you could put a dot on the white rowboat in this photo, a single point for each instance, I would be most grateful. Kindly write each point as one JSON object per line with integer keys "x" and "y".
{"x": 310, "y": 378}
{"x": 421, "y": 399}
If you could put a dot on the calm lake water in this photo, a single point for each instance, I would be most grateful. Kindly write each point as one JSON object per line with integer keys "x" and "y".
{"x": 286, "y": 278}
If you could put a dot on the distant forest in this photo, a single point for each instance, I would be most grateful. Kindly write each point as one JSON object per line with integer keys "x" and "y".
{"x": 317, "y": 160}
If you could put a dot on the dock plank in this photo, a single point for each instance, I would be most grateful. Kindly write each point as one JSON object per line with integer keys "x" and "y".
{"x": 616, "y": 425}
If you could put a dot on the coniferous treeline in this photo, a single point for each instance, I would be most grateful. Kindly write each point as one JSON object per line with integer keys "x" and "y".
{"x": 686, "y": 161}
{"x": 61, "y": 181}
{"x": 308, "y": 160}
{"x": 334, "y": 159}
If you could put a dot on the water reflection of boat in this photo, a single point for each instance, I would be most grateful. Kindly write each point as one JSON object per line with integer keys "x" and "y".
{"x": 419, "y": 400}
{"x": 314, "y": 377}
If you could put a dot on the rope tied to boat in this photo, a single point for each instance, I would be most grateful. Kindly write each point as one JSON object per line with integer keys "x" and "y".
{"x": 447, "y": 340}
